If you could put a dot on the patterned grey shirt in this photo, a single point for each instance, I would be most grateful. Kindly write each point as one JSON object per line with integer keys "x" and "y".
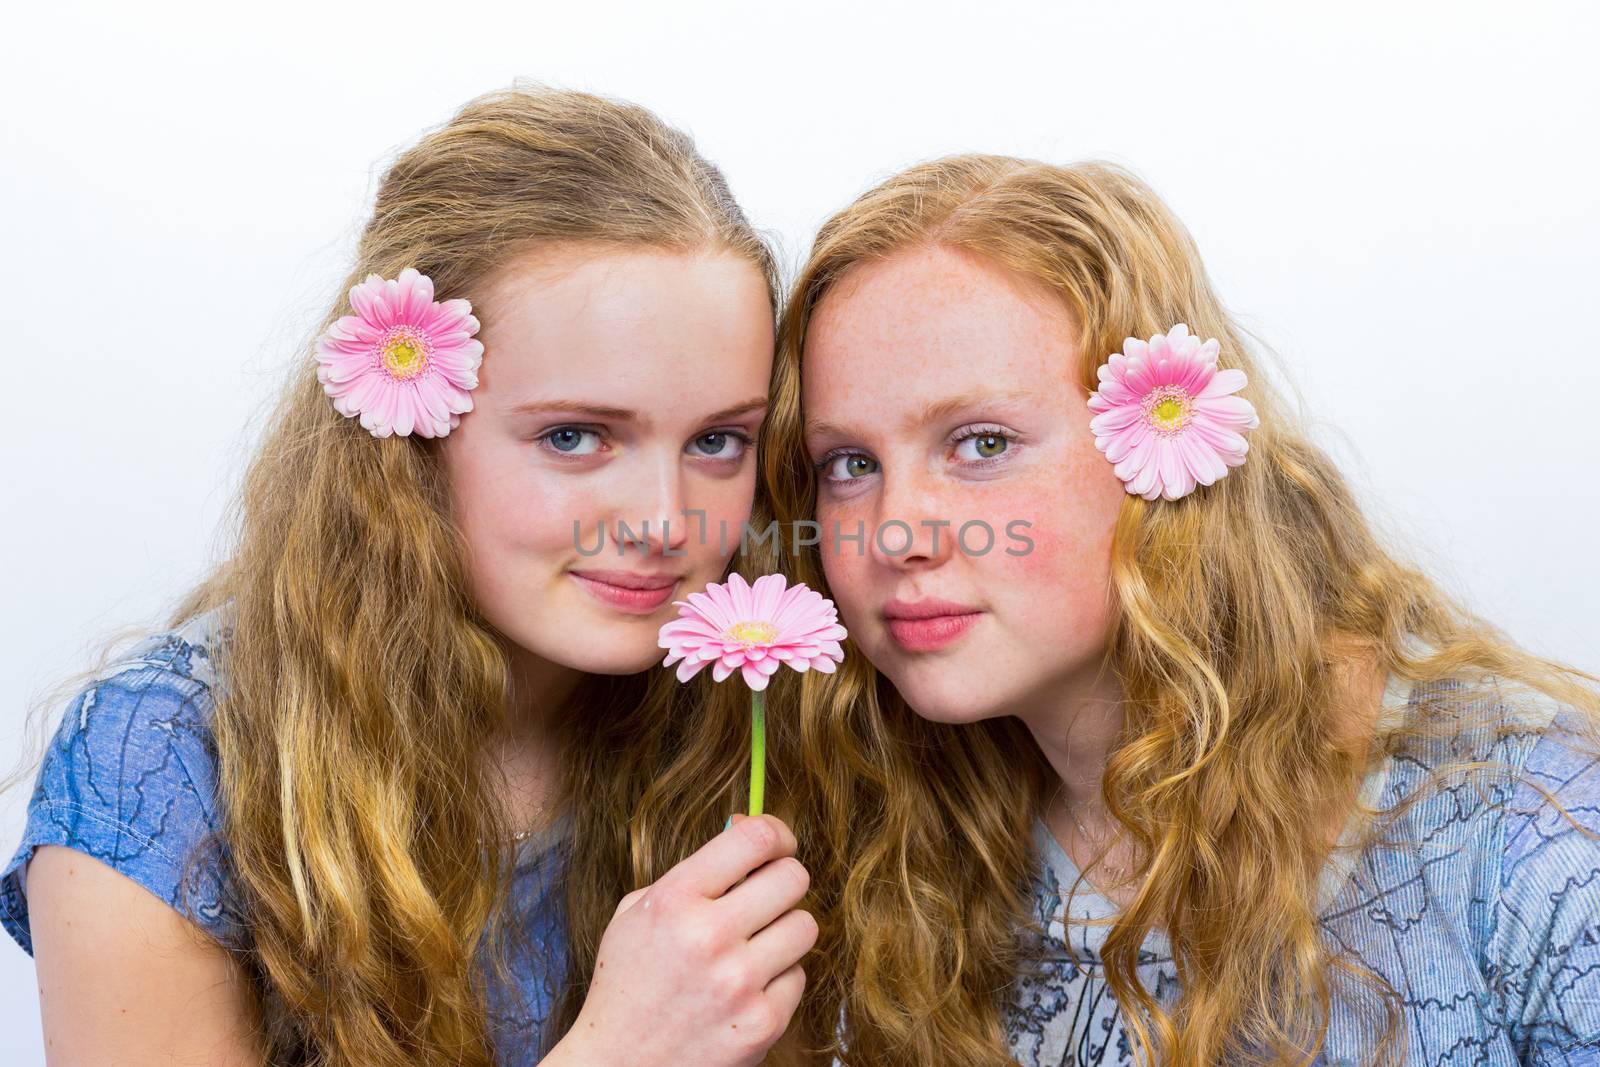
{"x": 1489, "y": 931}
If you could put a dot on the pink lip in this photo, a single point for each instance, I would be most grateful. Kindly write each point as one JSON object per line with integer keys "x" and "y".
{"x": 629, "y": 591}
{"x": 926, "y": 625}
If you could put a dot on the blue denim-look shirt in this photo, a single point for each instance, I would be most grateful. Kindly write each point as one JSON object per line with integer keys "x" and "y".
{"x": 1487, "y": 923}
{"x": 130, "y": 779}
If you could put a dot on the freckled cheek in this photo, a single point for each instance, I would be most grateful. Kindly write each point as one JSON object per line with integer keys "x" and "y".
{"x": 845, "y": 560}
{"x": 1063, "y": 552}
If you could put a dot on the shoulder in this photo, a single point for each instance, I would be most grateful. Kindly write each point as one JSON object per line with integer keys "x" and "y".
{"x": 1542, "y": 953}
{"x": 1457, "y": 755}
{"x": 129, "y": 778}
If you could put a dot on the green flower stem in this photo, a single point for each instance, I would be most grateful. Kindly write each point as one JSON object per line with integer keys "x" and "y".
{"x": 758, "y": 749}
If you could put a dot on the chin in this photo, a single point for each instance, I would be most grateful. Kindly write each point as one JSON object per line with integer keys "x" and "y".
{"x": 935, "y": 692}
{"x": 613, "y": 657}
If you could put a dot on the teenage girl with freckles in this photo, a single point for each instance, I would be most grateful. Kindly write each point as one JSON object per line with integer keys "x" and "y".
{"x": 1210, "y": 775}
{"x": 402, "y": 785}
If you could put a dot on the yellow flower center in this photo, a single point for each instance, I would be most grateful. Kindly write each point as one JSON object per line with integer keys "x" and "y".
{"x": 753, "y": 633}
{"x": 404, "y": 354}
{"x": 1167, "y": 409}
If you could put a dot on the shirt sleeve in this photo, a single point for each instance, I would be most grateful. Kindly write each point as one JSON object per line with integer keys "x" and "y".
{"x": 1543, "y": 958}
{"x": 129, "y": 779}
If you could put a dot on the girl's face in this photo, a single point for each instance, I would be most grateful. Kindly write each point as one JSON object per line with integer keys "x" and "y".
{"x": 939, "y": 396}
{"x": 620, "y": 393}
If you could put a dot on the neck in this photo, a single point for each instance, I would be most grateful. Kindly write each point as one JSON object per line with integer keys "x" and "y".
{"x": 1076, "y": 726}
{"x": 1080, "y": 722}
{"x": 528, "y": 754}
{"x": 539, "y": 688}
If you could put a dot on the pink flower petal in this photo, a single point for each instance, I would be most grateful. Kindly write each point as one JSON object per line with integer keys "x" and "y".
{"x": 1116, "y": 419}
{"x": 1142, "y": 456}
{"x": 1201, "y": 460}
{"x": 459, "y": 401}
{"x": 723, "y": 598}
{"x": 711, "y": 608}
{"x": 1222, "y": 440}
{"x": 1141, "y": 377}
{"x": 1233, "y": 410}
{"x": 1123, "y": 444}
{"x": 1148, "y": 477}
{"x": 739, "y": 590}
{"x": 366, "y": 299}
{"x": 1223, "y": 382}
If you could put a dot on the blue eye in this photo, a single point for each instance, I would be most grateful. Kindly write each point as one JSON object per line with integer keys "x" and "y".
{"x": 848, "y": 466}
{"x": 569, "y": 441}
{"x": 721, "y": 444}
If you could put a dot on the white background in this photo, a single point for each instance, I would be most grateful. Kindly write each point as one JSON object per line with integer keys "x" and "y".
{"x": 1399, "y": 197}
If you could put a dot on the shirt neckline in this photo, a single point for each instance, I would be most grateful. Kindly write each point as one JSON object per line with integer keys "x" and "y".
{"x": 532, "y": 850}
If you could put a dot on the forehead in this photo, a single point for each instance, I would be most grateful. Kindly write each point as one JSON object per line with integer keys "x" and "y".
{"x": 630, "y": 319}
{"x": 934, "y": 320}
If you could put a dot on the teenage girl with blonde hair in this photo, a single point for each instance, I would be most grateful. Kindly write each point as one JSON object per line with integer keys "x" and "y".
{"x": 401, "y": 785}
{"x": 1149, "y": 748}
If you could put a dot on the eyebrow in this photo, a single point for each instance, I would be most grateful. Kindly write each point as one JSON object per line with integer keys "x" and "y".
{"x": 602, "y": 411}
{"x": 934, "y": 411}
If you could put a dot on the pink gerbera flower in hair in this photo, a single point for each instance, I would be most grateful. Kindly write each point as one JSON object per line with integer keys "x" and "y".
{"x": 403, "y": 362}
{"x": 1168, "y": 418}
{"x": 754, "y": 629}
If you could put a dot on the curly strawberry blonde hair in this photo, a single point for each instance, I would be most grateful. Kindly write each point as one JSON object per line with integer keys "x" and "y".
{"x": 1238, "y": 611}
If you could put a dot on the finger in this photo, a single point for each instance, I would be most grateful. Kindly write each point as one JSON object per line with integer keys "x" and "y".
{"x": 784, "y": 992}
{"x": 784, "y": 943}
{"x": 731, "y": 855}
{"x": 770, "y": 891}
{"x": 629, "y": 901}
{"x": 736, "y": 817}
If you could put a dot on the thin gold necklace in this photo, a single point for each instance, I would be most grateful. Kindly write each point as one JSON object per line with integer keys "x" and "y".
{"x": 1115, "y": 872}
{"x": 522, "y": 835}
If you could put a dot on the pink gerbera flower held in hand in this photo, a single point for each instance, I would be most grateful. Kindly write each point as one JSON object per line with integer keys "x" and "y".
{"x": 403, "y": 361}
{"x": 754, "y": 629}
{"x": 1167, "y": 417}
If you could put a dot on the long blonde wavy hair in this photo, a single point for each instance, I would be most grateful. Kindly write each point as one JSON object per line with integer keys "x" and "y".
{"x": 363, "y": 688}
{"x": 1238, "y": 611}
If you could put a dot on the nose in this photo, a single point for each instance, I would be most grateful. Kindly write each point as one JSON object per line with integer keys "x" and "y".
{"x": 652, "y": 517}
{"x": 912, "y": 529}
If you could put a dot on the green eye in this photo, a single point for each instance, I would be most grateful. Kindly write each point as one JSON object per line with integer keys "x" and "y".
{"x": 982, "y": 446}
{"x": 851, "y": 465}
{"x": 990, "y": 445}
